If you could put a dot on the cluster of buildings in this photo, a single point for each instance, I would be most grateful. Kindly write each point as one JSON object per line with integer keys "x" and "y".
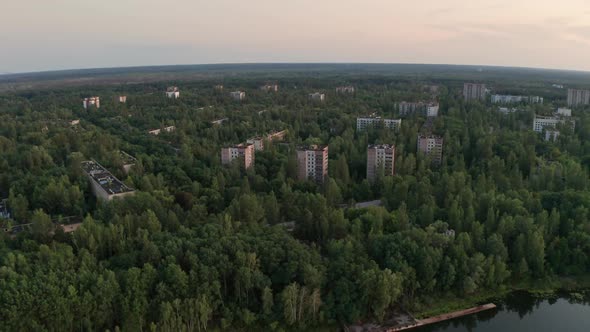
{"x": 509, "y": 99}
{"x": 258, "y": 141}
{"x": 428, "y": 109}
{"x": 244, "y": 152}
{"x": 104, "y": 184}
{"x": 172, "y": 92}
{"x": 549, "y": 124}
{"x": 91, "y": 102}
{"x": 377, "y": 122}
{"x": 474, "y": 91}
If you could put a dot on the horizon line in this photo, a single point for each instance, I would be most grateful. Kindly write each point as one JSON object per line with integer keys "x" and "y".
{"x": 290, "y": 63}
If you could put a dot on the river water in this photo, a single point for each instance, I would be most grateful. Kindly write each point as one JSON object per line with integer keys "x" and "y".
{"x": 523, "y": 312}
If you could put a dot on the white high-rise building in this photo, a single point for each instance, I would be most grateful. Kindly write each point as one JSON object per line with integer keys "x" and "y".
{"x": 377, "y": 122}
{"x": 91, "y": 101}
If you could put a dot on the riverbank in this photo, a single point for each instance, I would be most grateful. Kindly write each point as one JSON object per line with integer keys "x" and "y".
{"x": 448, "y": 303}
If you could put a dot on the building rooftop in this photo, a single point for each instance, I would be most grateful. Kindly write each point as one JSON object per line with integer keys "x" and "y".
{"x": 313, "y": 147}
{"x": 172, "y": 89}
{"x": 104, "y": 178}
{"x": 126, "y": 158}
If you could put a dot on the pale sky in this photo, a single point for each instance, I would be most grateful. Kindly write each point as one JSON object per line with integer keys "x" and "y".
{"x": 67, "y": 34}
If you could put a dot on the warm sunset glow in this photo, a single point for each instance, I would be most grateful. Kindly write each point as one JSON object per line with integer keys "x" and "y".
{"x": 58, "y": 34}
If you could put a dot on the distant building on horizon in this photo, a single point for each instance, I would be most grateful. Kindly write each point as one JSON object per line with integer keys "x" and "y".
{"x": 172, "y": 92}
{"x": 345, "y": 89}
{"x": 270, "y": 88}
{"x": 312, "y": 163}
{"x": 474, "y": 91}
{"x": 218, "y": 87}
{"x": 156, "y": 132}
{"x": 431, "y": 146}
{"x": 380, "y": 160}
{"x": 238, "y": 95}
{"x": 91, "y": 101}
{"x": 577, "y": 97}
{"x": 316, "y": 96}
{"x": 429, "y": 109}
{"x": 377, "y": 122}
{"x": 121, "y": 99}
{"x": 243, "y": 152}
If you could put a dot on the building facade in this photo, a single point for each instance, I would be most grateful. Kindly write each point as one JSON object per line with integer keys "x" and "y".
{"x": 312, "y": 163}
{"x": 380, "y": 158}
{"x": 173, "y": 92}
{"x": 377, "y": 122}
{"x": 562, "y": 111}
{"x": 431, "y": 146}
{"x": 551, "y": 135}
{"x": 345, "y": 89}
{"x": 243, "y": 152}
{"x": 577, "y": 97}
{"x": 121, "y": 99}
{"x": 270, "y": 88}
{"x": 508, "y": 99}
{"x": 91, "y": 101}
{"x": 541, "y": 123}
{"x": 104, "y": 184}
{"x": 474, "y": 91}
{"x": 317, "y": 97}
{"x": 238, "y": 95}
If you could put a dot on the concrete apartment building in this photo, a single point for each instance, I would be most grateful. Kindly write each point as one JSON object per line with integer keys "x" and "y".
{"x": 562, "y": 111}
{"x": 270, "y": 88}
{"x": 317, "y": 97}
{"x": 474, "y": 91}
{"x": 377, "y": 122}
{"x": 91, "y": 101}
{"x": 431, "y": 146}
{"x": 104, "y": 184}
{"x": 218, "y": 87}
{"x": 173, "y": 92}
{"x": 238, "y": 95}
{"x": 428, "y": 109}
{"x": 121, "y": 99}
{"x": 380, "y": 157}
{"x": 508, "y": 99}
{"x": 156, "y": 132}
{"x": 243, "y": 152}
{"x": 312, "y": 163}
{"x": 540, "y": 123}
{"x": 577, "y": 97}
{"x": 258, "y": 141}
{"x": 345, "y": 89}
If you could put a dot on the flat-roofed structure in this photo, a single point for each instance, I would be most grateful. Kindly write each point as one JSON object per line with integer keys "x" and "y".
{"x": 91, "y": 102}
{"x": 104, "y": 184}
{"x": 156, "y": 132}
{"x": 377, "y": 122}
{"x": 75, "y": 122}
{"x": 316, "y": 96}
{"x": 312, "y": 163}
{"x": 219, "y": 121}
{"x": 349, "y": 89}
{"x": 127, "y": 160}
{"x": 431, "y": 146}
{"x": 242, "y": 152}
{"x": 577, "y": 97}
{"x": 173, "y": 92}
{"x": 540, "y": 123}
{"x": 510, "y": 99}
{"x": 380, "y": 160}
{"x": 474, "y": 91}
{"x": 238, "y": 95}
{"x": 562, "y": 111}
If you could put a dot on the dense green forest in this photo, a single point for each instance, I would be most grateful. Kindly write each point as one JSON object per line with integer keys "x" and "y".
{"x": 201, "y": 246}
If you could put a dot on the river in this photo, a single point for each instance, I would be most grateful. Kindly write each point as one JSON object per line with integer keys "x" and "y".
{"x": 522, "y": 312}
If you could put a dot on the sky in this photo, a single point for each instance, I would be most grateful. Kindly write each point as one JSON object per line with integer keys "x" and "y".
{"x": 37, "y": 35}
